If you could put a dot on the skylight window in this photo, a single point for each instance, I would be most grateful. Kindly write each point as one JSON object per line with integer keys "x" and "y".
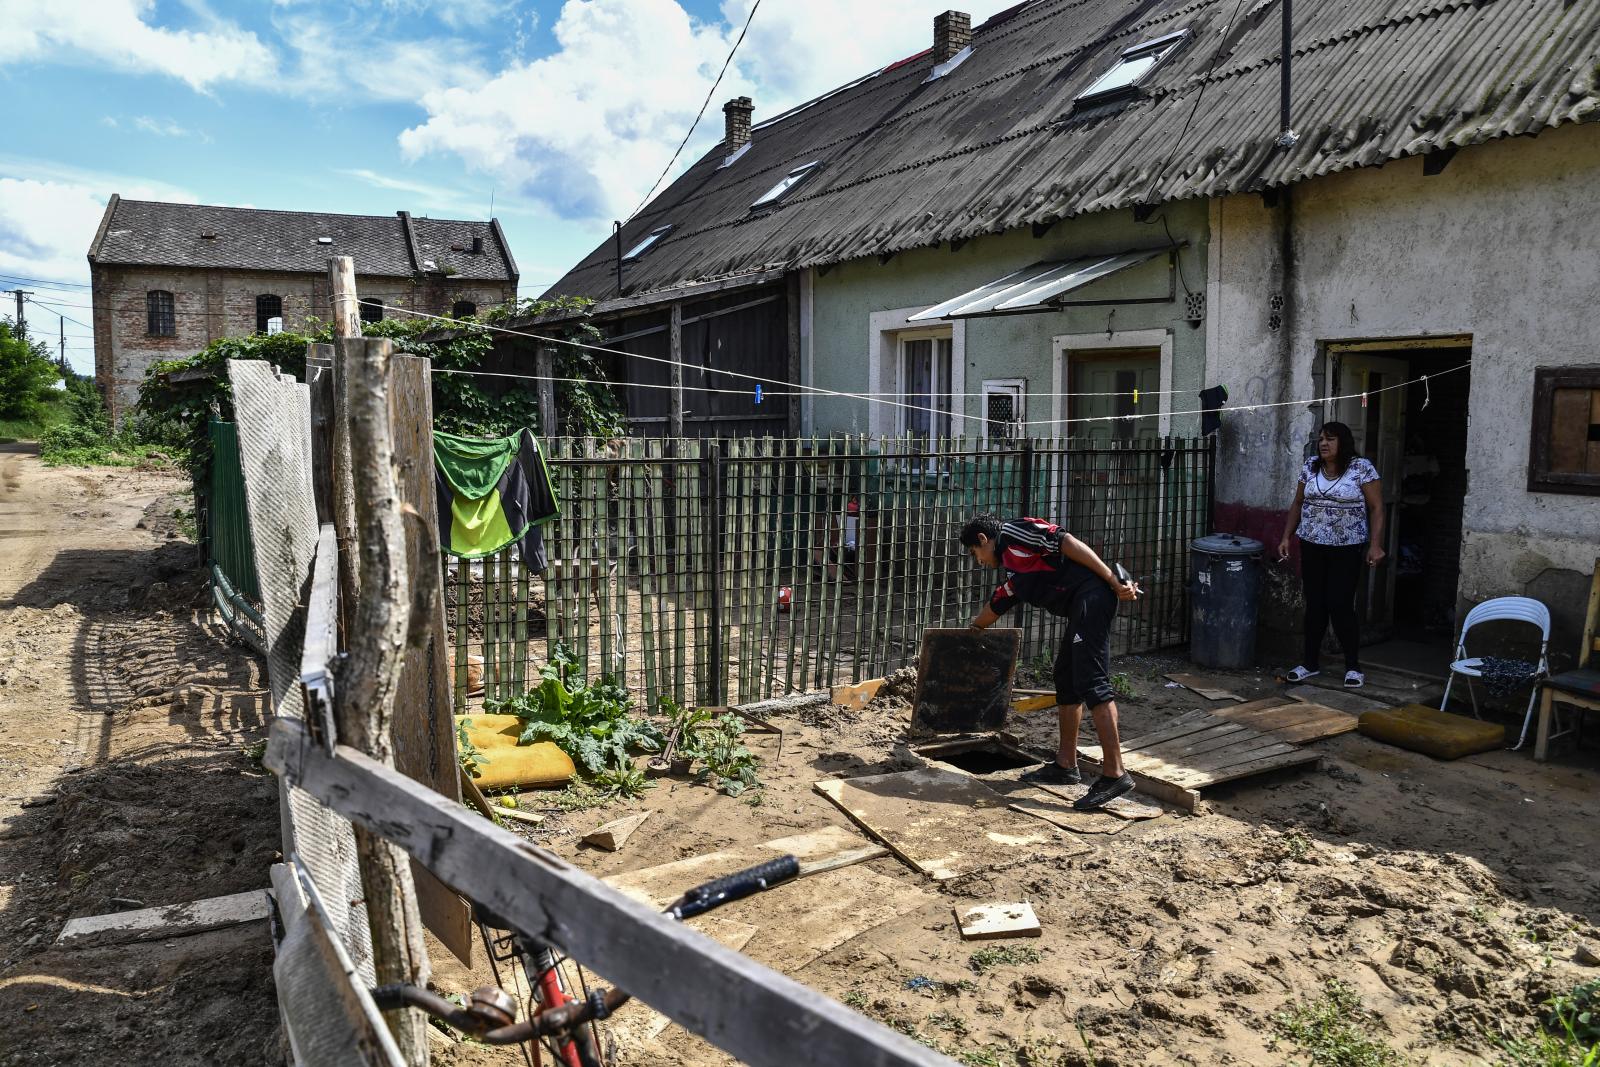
{"x": 790, "y": 180}
{"x": 648, "y": 242}
{"x": 1133, "y": 65}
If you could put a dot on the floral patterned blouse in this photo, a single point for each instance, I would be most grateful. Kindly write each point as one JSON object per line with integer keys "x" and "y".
{"x": 1334, "y": 511}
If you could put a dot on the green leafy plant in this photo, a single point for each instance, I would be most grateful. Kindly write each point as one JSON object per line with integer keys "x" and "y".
{"x": 471, "y": 756}
{"x": 1329, "y": 1030}
{"x": 1577, "y": 1013}
{"x": 713, "y": 741}
{"x": 589, "y": 722}
{"x": 625, "y": 782}
{"x": 86, "y": 437}
{"x": 1122, "y": 685}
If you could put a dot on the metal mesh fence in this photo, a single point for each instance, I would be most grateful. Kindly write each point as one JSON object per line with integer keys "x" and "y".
{"x": 728, "y": 571}
{"x": 274, "y": 433}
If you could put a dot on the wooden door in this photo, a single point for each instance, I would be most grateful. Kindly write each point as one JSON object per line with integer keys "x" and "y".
{"x": 1376, "y": 416}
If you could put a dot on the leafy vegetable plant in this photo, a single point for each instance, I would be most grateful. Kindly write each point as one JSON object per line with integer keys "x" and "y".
{"x": 589, "y": 722}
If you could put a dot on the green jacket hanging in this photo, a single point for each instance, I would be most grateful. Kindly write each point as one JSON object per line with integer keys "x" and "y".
{"x": 495, "y": 492}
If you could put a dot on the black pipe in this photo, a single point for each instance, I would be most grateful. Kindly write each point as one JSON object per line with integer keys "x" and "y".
{"x": 1283, "y": 74}
{"x": 616, "y": 227}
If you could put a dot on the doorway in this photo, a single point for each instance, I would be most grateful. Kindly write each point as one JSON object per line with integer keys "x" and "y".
{"x": 1416, "y": 436}
{"x": 1112, "y": 382}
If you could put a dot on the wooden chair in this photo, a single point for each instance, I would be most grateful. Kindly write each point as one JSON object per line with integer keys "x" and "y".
{"x": 1579, "y": 687}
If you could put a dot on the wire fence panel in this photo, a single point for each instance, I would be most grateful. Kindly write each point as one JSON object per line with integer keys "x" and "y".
{"x": 727, "y": 571}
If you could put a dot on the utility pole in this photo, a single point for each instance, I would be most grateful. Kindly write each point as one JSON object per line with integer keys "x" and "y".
{"x": 63, "y": 323}
{"x": 22, "y": 315}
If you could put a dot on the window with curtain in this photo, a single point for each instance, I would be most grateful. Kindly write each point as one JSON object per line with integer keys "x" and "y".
{"x": 160, "y": 318}
{"x": 925, "y": 386}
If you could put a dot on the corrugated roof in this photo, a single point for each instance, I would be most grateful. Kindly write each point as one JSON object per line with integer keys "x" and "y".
{"x": 156, "y": 234}
{"x": 998, "y": 143}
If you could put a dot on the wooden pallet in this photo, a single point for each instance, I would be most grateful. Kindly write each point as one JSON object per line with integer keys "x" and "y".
{"x": 1199, "y": 751}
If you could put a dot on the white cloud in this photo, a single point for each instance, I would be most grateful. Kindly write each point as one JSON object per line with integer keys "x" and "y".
{"x": 584, "y": 132}
{"x": 333, "y": 57}
{"x": 423, "y": 196}
{"x": 161, "y": 127}
{"x": 115, "y": 33}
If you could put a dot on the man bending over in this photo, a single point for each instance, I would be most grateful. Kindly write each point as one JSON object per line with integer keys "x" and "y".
{"x": 1049, "y": 568}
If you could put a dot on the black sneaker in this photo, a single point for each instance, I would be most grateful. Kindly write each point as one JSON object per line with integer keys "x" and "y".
{"x": 1104, "y": 791}
{"x": 1052, "y": 774}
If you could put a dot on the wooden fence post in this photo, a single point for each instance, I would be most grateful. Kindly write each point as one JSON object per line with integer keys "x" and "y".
{"x": 369, "y": 678}
{"x": 346, "y": 325}
{"x": 544, "y": 368}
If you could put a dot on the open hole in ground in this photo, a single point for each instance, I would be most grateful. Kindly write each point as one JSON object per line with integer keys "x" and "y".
{"x": 987, "y": 759}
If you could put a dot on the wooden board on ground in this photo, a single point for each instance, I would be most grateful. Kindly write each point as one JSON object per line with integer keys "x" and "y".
{"x": 1060, "y": 813}
{"x": 986, "y": 921}
{"x": 826, "y": 849}
{"x": 612, "y": 835}
{"x": 858, "y": 695}
{"x": 636, "y": 1022}
{"x": 173, "y": 920}
{"x": 1297, "y": 722}
{"x": 1035, "y": 702}
{"x": 1195, "y": 753}
{"x": 964, "y": 678}
{"x": 1210, "y": 688}
{"x": 1132, "y": 807}
{"x": 941, "y": 822}
{"x": 1344, "y": 700}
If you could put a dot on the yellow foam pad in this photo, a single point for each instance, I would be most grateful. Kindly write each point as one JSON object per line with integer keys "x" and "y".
{"x": 510, "y": 764}
{"x": 1431, "y": 731}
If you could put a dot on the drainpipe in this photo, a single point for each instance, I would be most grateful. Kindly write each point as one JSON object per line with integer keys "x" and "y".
{"x": 1287, "y": 138}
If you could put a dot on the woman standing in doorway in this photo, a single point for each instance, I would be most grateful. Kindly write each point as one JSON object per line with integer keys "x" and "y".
{"x": 1338, "y": 515}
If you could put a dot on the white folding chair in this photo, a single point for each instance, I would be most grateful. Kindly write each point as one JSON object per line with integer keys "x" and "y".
{"x": 1501, "y": 609}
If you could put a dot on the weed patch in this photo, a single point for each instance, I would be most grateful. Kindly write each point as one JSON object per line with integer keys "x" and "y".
{"x": 1330, "y": 1030}
{"x": 987, "y": 959}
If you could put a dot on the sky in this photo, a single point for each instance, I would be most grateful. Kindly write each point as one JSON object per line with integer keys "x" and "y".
{"x": 560, "y": 115}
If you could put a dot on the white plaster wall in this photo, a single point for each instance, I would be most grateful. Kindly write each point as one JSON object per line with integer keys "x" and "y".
{"x": 1499, "y": 246}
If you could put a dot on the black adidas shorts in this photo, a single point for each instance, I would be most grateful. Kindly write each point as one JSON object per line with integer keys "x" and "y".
{"x": 1083, "y": 665}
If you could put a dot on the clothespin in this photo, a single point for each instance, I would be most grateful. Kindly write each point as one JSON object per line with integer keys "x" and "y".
{"x": 758, "y": 392}
{"x": 1136, "y": 398}
{"x": 1363, "y": 399}
{"x": 1427, "y": 393}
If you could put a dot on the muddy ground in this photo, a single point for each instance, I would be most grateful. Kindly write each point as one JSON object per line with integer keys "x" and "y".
{"x": 122, "y": 781}
{"x": 1451, "y": 898}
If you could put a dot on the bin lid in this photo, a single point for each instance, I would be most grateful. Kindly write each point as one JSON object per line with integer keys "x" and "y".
{"x": 1226, "y": 544}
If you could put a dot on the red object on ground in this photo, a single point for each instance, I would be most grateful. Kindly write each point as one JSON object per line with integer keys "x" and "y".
{"x": 785, "y": 597}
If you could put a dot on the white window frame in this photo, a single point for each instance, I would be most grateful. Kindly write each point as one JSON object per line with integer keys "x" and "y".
{"x": 1017, "y": 389}
{"x": 1065, "y": 345}
{"x": 883, "y": 367}
{"x": 647, "y": 242}
{"x": 786, "y": 183}
{"x": 1120, "y": 79}
{"x": 902, "y": 414}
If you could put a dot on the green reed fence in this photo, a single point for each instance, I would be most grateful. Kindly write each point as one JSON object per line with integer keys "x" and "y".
{"x": 667, "y": 562}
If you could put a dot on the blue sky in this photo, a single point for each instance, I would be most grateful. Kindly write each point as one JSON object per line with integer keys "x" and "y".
{"x": 563, "y": 112}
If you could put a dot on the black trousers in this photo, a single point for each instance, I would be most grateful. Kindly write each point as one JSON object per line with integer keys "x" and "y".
{"x": 1329, "y": 574}
{"x": 1083, "y": 664}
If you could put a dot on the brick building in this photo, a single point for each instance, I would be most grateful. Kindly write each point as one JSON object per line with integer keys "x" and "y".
{"x": 170, "y": 278}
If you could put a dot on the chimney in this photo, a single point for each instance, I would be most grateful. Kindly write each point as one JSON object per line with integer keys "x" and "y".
{"x": 737, "y": 112}
{"x": 477, "y": 245}
{"x": 952, "y": 31}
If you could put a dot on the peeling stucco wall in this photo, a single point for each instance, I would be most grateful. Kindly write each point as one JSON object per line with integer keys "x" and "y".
{"x": 1494, "y": 247}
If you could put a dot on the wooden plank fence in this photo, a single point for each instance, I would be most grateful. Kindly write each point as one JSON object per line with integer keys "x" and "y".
{"x": 670, "y": 555}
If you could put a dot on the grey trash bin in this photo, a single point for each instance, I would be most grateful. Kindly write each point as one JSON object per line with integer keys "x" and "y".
{"x": 1224, "y": 586}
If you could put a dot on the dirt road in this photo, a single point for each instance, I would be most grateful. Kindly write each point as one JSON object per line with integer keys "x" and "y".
{"x": 122, "y": 781}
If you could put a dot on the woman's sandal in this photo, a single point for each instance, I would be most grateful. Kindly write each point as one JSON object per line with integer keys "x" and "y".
{"x": 1300, "y": 674}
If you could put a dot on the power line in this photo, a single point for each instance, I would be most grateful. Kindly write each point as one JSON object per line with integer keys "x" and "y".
{"x": 45, "y": 282}
{"x": 704, "y": 104}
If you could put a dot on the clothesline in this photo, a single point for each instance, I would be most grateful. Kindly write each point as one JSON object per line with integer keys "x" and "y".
{"x": 790, "y": 389}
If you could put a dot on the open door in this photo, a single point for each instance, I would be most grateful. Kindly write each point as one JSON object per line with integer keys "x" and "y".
{"x": 1377, "y": 419}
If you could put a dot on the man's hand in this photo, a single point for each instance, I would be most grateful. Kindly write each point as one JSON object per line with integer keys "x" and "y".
{"x": 1127, "y": 590}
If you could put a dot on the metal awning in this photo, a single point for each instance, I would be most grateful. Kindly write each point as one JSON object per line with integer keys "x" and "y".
{"x": 1039, "y": 287}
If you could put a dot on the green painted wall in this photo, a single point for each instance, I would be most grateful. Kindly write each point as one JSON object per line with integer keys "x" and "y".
{"x": 1015, "y": 346}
